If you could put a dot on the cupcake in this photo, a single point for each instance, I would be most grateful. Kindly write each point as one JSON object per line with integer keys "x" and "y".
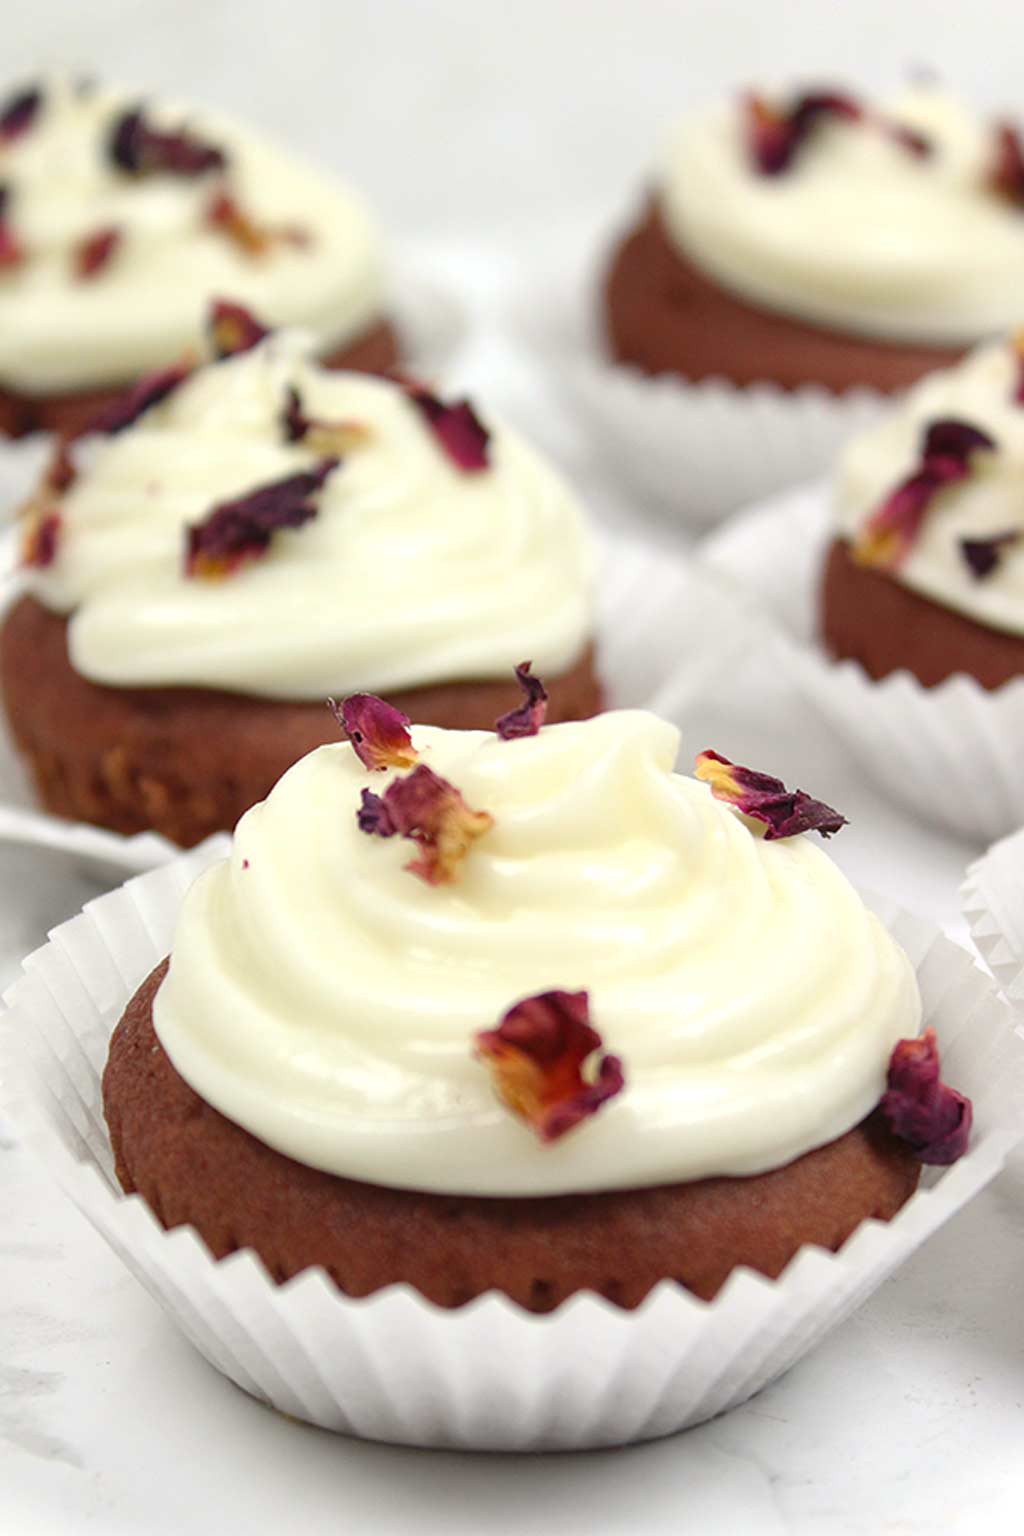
{"x": 526, "y": 1011}
{"x": 926, "y": 571}
{"x": 120, "y": 219}
{"x": 243, "y": 539}
{"x": 819, "y": 240}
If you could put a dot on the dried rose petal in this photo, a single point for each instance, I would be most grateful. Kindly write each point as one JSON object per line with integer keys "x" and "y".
{"x": 320, "y": 436}
{"x": 12, "y": 253}
{"x": 775, "y": 135}
{"x": 935, "y": 1121}
{"x": 528, "y": 717}
{"x": 432, "y": 813}
{"x": 378, "y": 732}
{"x": 61, "y": 474}
{"x": 1018, "y": 351}
{"x": 19, "y": 112}
{"x": 233, "y": 328}
{"x": 93, "y": 254}
{"x": 1006, "y": 176}
{"x": 457, "y": 427}
{"x": 911, "y": 139}
{"x": 784, "y": 812}
{"x": 889, "y": 534}
{"x": 225, "y": 215}
{"x": 983, "y": 555}
{"x": 40, "y": 536}
{"x": 139, "y": 149}
{"x": 536, "y": 1057}
{"x": 238, "y": 531}
{"x": 149, "y": 391}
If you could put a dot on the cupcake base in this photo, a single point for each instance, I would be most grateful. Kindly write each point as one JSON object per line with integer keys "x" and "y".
{"x": 193, "y": 1166}
{"x": 375, "y": 351}
{"x": 187, "y": 762}
{"x": 869, "y": 617}
{"x": 664, "y": 315}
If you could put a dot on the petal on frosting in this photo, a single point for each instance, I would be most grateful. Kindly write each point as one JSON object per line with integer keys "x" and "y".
{"x": 1006, "y": 176}
{"x": 238, "y": 531}
{"x": 12, "y": 252}
{"x": 378, "y": 732}
{"x": 1018, "y": 353}
{"x": 138, "y": 148}
{"x": 890, "y": 533}
{"x": 775, "y": 134}
{"x": 983, "y": 555}
{"x": 432, "y": 813}
{"x": 528, "y": 717}
{"x": 232, "y": 328}
{"x": 320, "y": 436}
{"x": 40, "y": 536}
{"x": 457, "y": 427}
{"x": 19, "y": 112}
{"x": 910, "y": 139}
{"x": 225, "y": 214}
{"x": 149, "y": 391}
{"x": 934, "y": 1121}
{"x": 784, "y": 812}
{"x": 95, "y": 252}
{"x": 536, "y": 1058}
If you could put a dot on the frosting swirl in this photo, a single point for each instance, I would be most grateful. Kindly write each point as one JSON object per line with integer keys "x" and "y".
{"x": 148, "y": 303}
{"x": 412, "y": 571}
{"x": 989, "y": 503}
{"x": 327, "y": 1000}
{"x": 858, "y": 233}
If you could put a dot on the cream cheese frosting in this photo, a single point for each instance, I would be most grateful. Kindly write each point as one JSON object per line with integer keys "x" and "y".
{"x": 327, "y": 1000}
{"x": 58, "y": 333}
{"x": 858, "y": 234}
{"x": 412, "y": 572}
{"x": 989, "y": 502}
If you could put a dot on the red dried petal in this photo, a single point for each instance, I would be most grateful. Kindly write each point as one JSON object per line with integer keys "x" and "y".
{"x": 430, "y": 812}
{"x": 19, "y": 112}
{"x": 536, "y": 1058}
{"x": 40, "y": 536}
{"x": 139, "y": 149}
{"x": 1018, "y": 352}
{"x": 457, "y": 427}
{"x": 320, "y": 436}
{"x": 232, "y": 328}
{"x": 935, "y": 1121}
{"x": 784, "y": 812}
{"x": 983, "y": 555}
{"x": 93, "y": 254}
{"x": 378, "y": 732}
{"x": 12, "y": 253}
{"x": 149, "y": 391}
{"x": 61, "y": 474}
{"x": 775, "y": 135}
{"x": 1006, "y": 176}
{"x": 236, "y": 532}
{"x": 528, "y": 717}
{"x": 913, "y": 140}
{"x": 889, "y": 534}
{"x": 225, "y": 215}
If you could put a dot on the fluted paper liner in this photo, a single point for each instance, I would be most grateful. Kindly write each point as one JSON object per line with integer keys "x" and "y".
{"x": 950, "y": 755}
{"x": 489, "y": 1375}
{"x": 993, "y": 904}
{"x": 689, "y": 452}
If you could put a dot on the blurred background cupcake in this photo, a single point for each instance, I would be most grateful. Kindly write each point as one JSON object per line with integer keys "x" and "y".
{"x": 122, "y": 216}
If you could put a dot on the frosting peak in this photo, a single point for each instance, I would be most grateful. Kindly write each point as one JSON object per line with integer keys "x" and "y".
{"x": 329, "y": 1002}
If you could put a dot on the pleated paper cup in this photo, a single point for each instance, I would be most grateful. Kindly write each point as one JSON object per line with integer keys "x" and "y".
{"x": 488, "y": 1376}
{"x": 950, "y": 755}
{"x": 689, "y": 453}
{"x": 993, "y": 903}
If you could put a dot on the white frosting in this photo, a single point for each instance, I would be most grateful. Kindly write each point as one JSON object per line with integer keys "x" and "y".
{"x": 990, "y": 501}
{"x": 147, "y": 306}
{"x": 327, "y": 1000}
{"x": 412, "y": 572}
{"x": 858, "y": 234}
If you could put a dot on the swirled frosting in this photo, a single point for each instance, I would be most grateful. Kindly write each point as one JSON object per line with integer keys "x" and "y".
{"x": 858, "y": 234}
{"x": 412, "y": 572}
{"x": 327, "y": 1000}
{"x": 988, "y": 503}
{"x": 148, "y": 303}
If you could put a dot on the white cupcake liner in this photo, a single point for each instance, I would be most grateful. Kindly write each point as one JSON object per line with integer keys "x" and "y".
{"x": 689, "y": 452}
{"x": 951, "y": 755}
{"x": 993, "y": 902}
{"x": 490, "y": 1375}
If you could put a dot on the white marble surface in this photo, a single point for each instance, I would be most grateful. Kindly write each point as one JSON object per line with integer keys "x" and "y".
{"x": 909, "y": 1420}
